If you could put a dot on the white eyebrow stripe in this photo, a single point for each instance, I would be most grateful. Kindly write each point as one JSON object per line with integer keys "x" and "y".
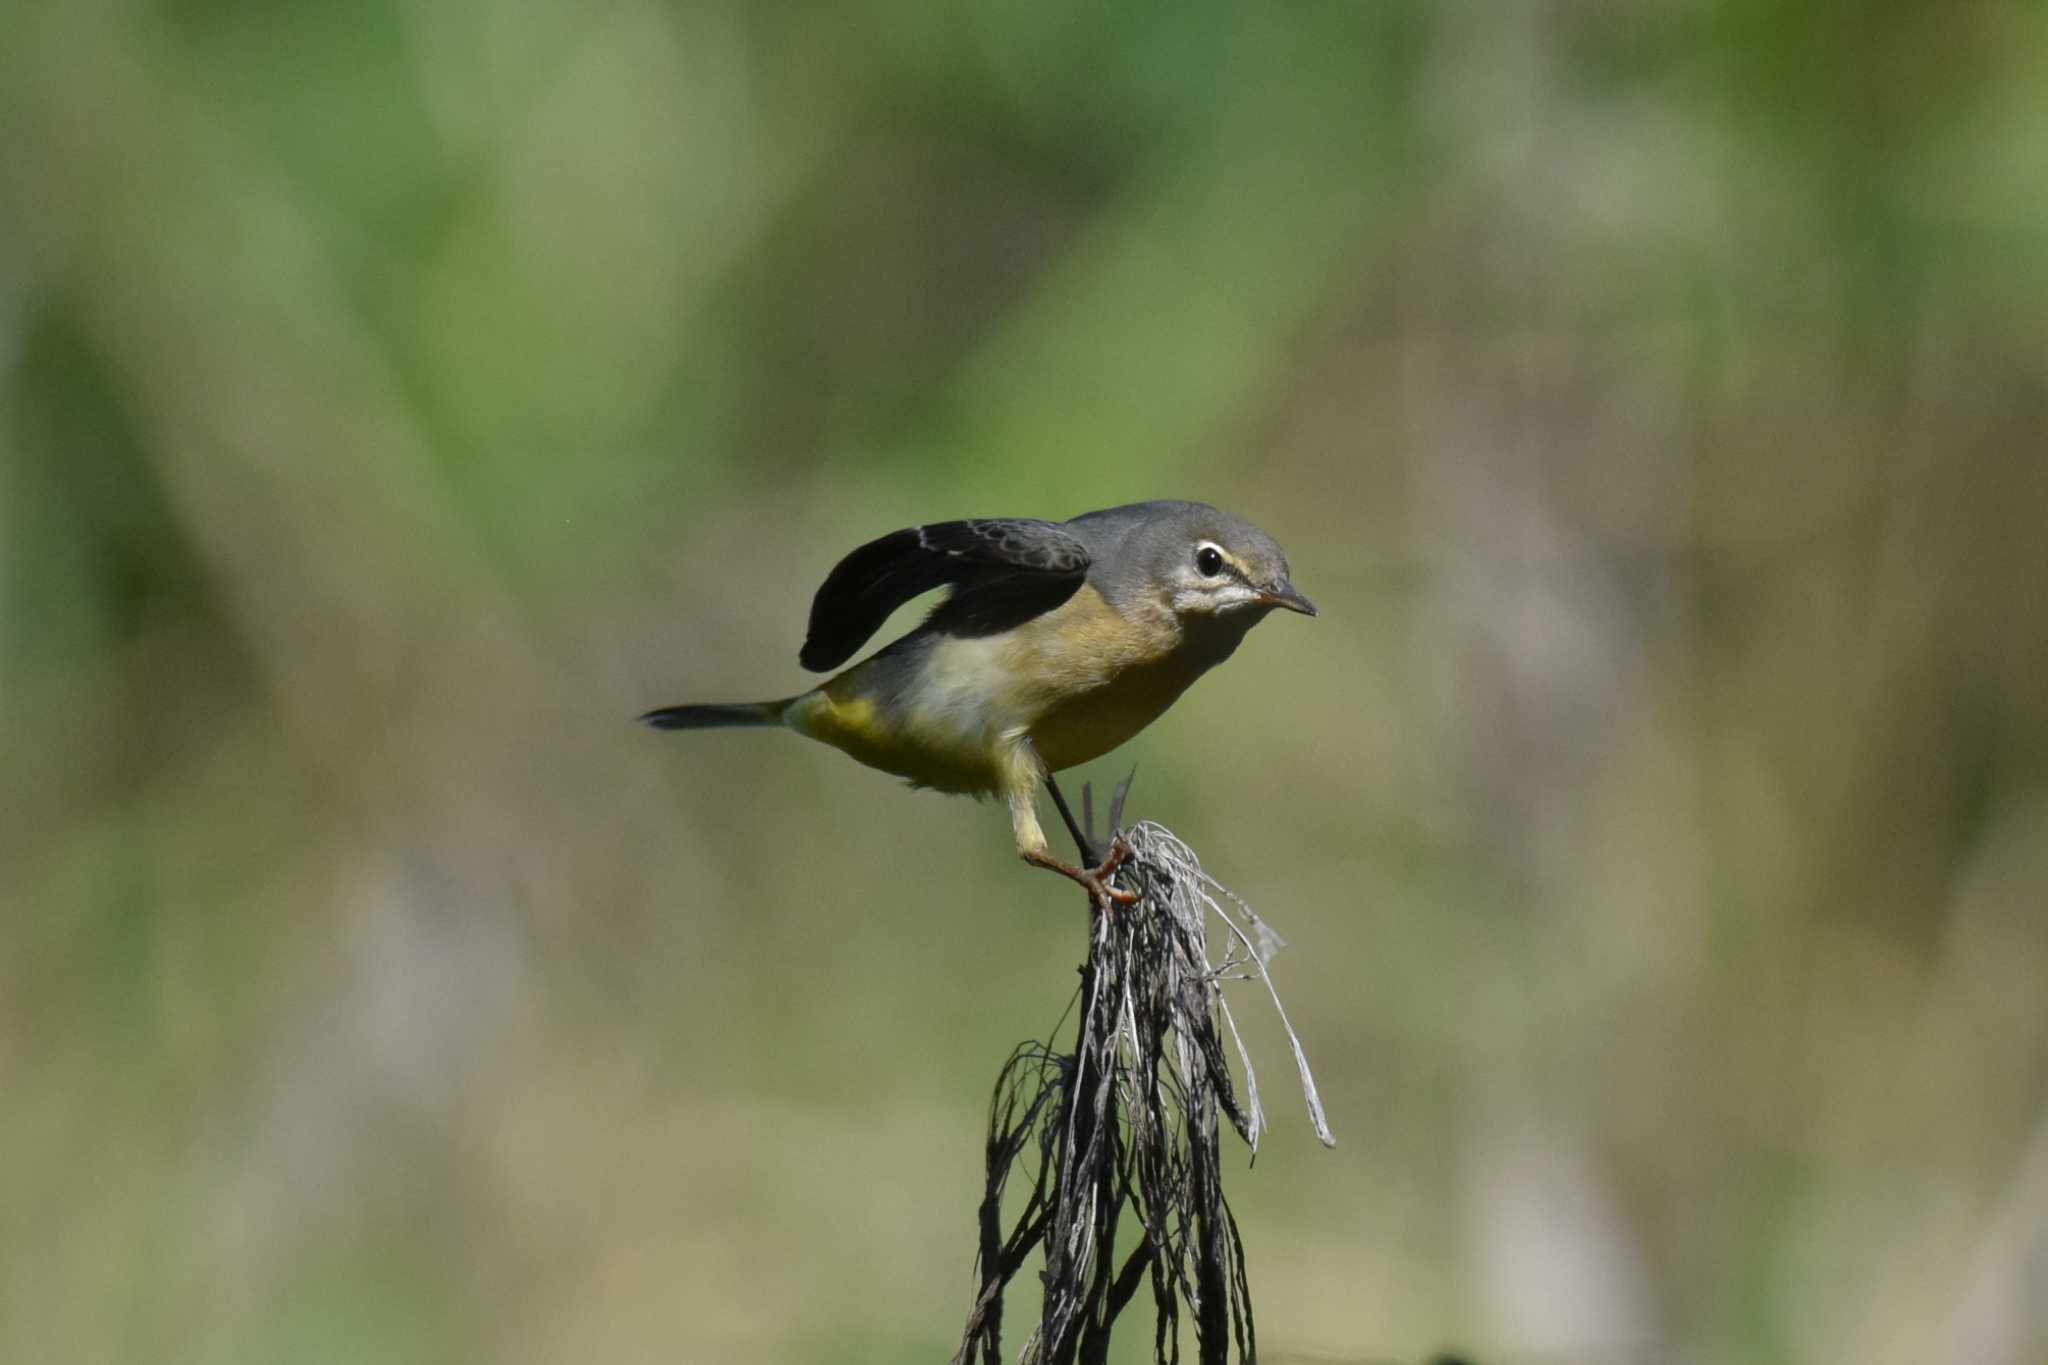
{"x": 1237, "y": 566}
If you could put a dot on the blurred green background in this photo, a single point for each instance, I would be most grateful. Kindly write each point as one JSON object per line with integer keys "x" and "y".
{"x": 397, "y": 398}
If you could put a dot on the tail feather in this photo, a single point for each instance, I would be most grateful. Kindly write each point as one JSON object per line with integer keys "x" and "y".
{"x": 716, "y": 716}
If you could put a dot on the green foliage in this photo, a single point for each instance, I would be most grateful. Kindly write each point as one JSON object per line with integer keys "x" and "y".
{"x": 395, "y": 399}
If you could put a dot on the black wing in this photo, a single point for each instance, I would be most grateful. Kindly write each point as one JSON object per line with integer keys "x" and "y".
{"x": 884, "y": 574}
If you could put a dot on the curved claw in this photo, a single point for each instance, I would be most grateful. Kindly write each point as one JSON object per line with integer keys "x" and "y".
{"x": 1095, "y": 879}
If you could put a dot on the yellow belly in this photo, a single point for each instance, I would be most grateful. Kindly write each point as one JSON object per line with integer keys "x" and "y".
{"x": 926, "y": 750}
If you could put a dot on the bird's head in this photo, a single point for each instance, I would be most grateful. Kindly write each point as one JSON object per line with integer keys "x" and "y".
{"x": 1209, "y": 565}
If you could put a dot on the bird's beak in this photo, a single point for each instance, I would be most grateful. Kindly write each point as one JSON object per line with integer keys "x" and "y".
{"x": 1287, "y": 596}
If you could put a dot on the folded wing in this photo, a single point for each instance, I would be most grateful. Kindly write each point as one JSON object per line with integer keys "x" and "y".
{"x": 884, "y": 574}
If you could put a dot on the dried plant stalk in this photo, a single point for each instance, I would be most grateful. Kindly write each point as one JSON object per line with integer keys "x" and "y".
{"x": 1130, "y": 1122}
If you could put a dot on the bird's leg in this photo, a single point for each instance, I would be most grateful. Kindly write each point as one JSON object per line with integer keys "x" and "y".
{"x": 1084, "y": 838}
{"x": 1096, "y": 878}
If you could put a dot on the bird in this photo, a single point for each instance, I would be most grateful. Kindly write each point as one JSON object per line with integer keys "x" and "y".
{"x": 1056, "y": 642}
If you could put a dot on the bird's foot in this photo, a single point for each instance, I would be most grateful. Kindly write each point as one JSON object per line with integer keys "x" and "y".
{"x": 1095, "y": 879}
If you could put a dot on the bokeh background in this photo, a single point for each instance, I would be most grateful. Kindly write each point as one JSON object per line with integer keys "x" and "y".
{"x": 396, "y": 398}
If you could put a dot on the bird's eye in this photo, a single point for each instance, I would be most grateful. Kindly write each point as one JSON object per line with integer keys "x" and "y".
{"x": 1209, "y": 560}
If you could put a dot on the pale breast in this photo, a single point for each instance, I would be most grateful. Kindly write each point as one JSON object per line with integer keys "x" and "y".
{"x": 1092, "y": 677}
{"x": 1089, "y": 726}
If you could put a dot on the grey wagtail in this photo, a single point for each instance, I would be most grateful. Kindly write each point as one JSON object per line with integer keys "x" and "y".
{"x": 1058, "y": 642}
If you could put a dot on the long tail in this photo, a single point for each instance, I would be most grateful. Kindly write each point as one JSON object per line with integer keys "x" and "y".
{"x": 717, "y": 716}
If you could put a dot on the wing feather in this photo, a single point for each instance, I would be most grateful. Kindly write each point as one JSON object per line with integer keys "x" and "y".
{"x": 883, "y": 574}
